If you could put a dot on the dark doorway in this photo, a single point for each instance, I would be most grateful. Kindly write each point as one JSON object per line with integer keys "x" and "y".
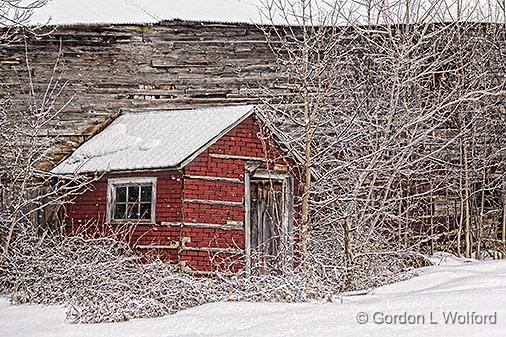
{"x": 270, "y": 223}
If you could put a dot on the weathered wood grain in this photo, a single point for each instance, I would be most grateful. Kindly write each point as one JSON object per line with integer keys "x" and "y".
{"x": 108, "y": 69}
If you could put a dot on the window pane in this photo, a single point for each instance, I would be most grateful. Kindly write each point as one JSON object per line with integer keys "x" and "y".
{"x": 119, "y": 211}
{"x": 121, "y": 194}
{"x": 133, "y": 211}
{"x": 133, "y": 202}
{"x": 146, "y": 192}
{"x": 133, "y": 193}
{"x": 145, "y": 211}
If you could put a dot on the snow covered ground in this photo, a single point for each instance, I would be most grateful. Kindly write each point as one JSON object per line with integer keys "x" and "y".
{"x": 474, "y": 290}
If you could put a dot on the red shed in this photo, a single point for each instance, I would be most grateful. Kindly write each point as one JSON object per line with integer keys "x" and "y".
{"x": 202, "y": 188}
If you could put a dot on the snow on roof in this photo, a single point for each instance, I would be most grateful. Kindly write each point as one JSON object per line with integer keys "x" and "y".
{"x": 68, "y": 12}
{"x": 94, "y": 12}
{"x": 152, "y": 140}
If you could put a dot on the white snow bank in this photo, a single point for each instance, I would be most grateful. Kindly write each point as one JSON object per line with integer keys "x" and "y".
{"x": 440, "y": 291}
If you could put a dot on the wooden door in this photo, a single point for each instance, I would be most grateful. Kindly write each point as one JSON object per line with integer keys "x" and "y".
{"x": 268, "y": 221}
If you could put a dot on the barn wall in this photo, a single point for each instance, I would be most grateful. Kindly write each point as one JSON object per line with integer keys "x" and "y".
{"x": 113, "y": 68}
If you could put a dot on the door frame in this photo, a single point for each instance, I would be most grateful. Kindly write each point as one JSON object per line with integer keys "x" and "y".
{"x": 287, "y": 186}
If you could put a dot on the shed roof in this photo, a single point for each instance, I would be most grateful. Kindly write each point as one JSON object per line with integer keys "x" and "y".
{"x": 97, "y": 12}
{"x": 71, "y": 12}
{"x": 152, "y": 140}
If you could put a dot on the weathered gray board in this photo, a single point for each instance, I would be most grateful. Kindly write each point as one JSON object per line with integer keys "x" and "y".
{"x": 109, "y": 69}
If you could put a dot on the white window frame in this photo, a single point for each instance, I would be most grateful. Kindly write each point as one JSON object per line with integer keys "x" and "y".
{"x": 130, "y": 181}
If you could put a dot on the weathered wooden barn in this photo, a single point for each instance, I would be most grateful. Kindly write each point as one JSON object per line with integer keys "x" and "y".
{"x": 192, "y": 207}
{"x": 129, "y": 68}
{"x": 110, "y": 69}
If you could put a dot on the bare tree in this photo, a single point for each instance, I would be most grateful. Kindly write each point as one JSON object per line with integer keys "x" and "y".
{"x": 390, "y": 106}
{"x": 29, "y": 194}
{"x": 15, "y": 14}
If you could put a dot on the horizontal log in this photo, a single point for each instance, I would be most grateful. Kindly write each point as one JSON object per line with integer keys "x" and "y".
{"x": 230, "y": 156}
{"x": 213, "y": 250}
{"x": 173, "y": 245}
{"x": 237, "y": 226}
{"x": 213, "y": 202}
{"x": 213, "y": 178}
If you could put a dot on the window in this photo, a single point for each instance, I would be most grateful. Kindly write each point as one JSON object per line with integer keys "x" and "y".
{"x": 131, "y": 199}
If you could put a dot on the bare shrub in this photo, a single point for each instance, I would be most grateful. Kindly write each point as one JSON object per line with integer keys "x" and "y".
{"x": 100, "y": 280}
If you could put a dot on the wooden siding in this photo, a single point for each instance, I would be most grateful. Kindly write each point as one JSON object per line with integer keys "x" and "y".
{"x": 109, "y": 69}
